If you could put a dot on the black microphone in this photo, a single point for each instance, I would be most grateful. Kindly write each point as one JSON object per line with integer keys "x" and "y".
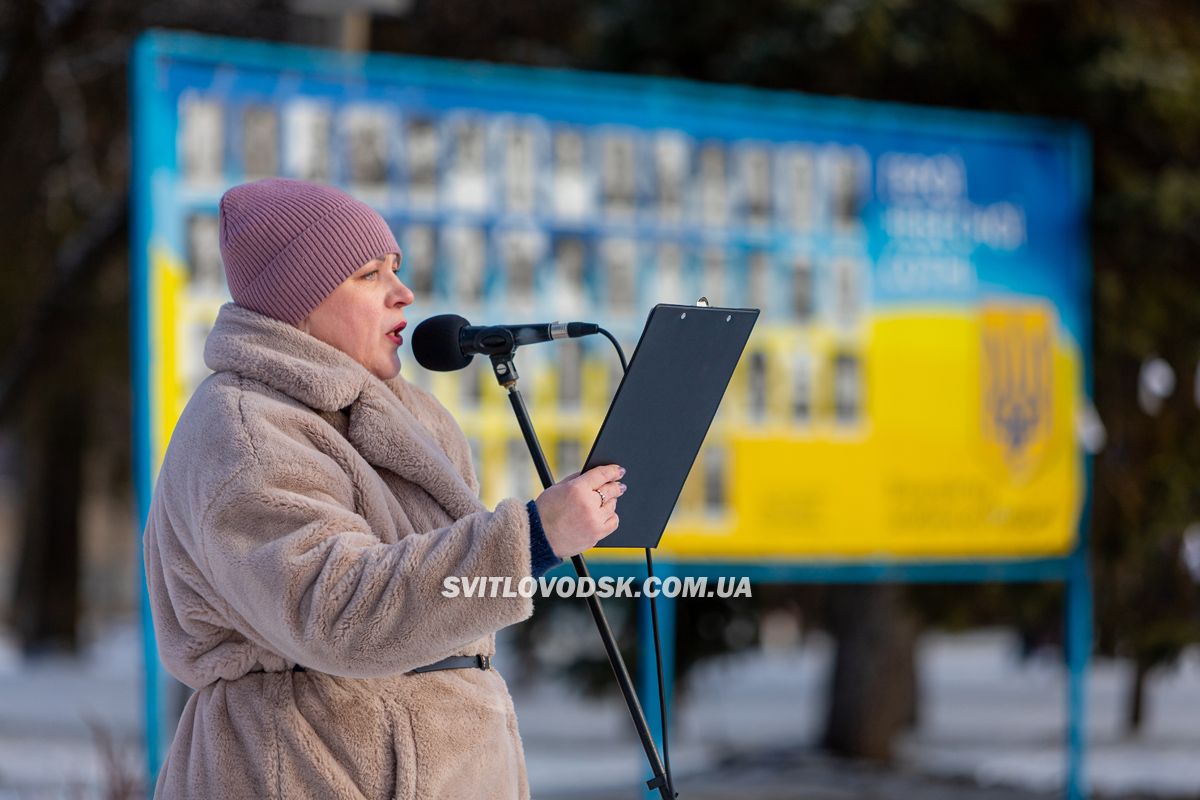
{"x": 448, "y": 342}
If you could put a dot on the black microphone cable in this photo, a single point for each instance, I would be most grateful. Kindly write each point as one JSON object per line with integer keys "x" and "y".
{"x": 620, "y": 353}
{"x": 662, "y": 692}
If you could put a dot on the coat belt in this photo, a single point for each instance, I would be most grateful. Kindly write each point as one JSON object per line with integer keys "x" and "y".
{"x": 451, "y": 662}
{"x": 458, "y": 662}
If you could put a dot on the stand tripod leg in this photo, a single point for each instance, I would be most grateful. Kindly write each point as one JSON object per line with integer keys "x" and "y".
{"x": 507, "y": 374}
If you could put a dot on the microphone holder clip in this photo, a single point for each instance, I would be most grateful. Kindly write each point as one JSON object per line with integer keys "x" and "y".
{"x": 505, "y": 369}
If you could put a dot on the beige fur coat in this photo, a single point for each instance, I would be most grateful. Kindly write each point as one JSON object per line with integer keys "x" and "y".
{"x": 306, "y": 513}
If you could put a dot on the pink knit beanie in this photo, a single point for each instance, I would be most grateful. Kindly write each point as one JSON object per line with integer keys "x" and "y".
{"x": 288, "y": 244}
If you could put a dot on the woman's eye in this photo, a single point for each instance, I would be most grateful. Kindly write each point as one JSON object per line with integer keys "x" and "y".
{"x": 372, "y": 275}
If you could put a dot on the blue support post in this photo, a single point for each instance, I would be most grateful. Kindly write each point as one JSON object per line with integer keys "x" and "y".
{"x": 1079, "y": 570}
{"x": 1079, "y": 646}
{"x": 646, "y": 669}
{"x": 141, "y": 223}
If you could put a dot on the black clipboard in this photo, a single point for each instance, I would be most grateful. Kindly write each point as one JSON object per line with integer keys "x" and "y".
{"x": 663, "y": 409}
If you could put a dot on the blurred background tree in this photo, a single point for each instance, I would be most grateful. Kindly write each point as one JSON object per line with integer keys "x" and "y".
{"x": 64, "y": 344}
{"x": 1130, "y": 71}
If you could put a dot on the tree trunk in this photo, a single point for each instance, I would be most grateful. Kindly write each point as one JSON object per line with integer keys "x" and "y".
{"x": 46, "y": 593}
{"x": 874, "y": 690}
{"x": 1135, "y": 710}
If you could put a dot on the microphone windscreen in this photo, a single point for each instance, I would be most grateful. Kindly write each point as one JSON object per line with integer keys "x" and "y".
{"x": 435, "y": 343}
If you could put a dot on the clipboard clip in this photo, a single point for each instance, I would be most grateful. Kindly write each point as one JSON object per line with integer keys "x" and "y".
{"x": 702, "y": 302}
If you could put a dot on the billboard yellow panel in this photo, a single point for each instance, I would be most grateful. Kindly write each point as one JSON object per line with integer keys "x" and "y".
{"x": 965, "y": 447}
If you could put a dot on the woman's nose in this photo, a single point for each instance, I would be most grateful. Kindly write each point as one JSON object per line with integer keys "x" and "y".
{"x": 401, "y": 294}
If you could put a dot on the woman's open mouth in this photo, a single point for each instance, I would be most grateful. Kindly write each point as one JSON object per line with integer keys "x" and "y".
{"x": 394, "y": 333}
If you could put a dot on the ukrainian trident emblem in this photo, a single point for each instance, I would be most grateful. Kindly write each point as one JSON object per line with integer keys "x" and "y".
{"x": 1018, "y": 378}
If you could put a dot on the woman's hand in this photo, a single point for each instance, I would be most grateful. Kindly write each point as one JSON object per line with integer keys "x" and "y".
{"x": 580, "y": 510}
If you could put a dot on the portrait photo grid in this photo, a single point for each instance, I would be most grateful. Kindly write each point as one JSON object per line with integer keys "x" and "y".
{"x": 522, "y": 218}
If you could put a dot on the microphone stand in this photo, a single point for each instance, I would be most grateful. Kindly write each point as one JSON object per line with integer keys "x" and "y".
{"x": 506, "y": 373}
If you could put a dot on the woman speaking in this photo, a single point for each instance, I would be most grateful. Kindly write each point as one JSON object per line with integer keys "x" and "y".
{"x": 310, "y": 504}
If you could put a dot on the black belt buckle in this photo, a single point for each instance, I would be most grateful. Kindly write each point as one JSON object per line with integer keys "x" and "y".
{"x": 485, "y": 662}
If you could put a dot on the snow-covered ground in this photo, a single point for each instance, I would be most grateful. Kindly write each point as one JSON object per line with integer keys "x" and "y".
{"x": 990, "y": 718}
{"x": 986, "y": 719}
{"x": 985, "y": 716}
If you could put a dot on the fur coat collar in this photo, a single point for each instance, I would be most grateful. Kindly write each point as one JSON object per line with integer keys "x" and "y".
{"x": 394, "y": 425}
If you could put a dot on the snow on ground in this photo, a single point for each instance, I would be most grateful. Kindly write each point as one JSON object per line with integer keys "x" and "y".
{"x": 991, "y": 718}
{"x": 987, "y": 720}
{"x": 986, "y": 717}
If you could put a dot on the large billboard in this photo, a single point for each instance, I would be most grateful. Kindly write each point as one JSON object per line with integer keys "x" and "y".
{"x": 910, "y": 392}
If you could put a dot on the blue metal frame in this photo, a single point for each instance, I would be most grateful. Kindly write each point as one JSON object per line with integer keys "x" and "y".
{"x": 670, "y": 100}
{"x": 948, "y": 571}
{"x": 669, "y": 96}
{"x": 1079, "y": 577}
{"x": 144, "y": 164}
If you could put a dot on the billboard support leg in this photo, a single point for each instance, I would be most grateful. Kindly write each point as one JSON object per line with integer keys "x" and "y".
{"x": 1079, "y": 646}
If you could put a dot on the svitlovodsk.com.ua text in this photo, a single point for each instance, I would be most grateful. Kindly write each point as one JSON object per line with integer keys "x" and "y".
{"x": 605, "y": 587}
